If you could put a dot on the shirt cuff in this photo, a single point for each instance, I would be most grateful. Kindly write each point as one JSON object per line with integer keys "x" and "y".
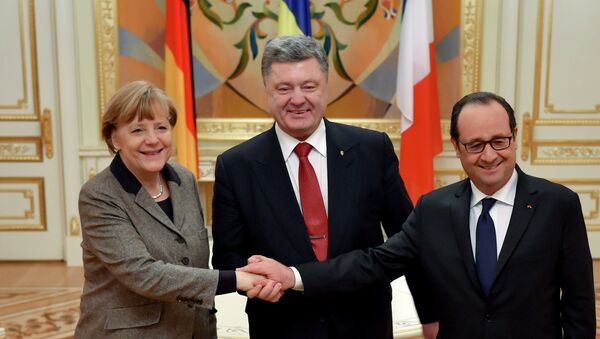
{"x": 227, "y": 282}
{"x": 298, "y": 285}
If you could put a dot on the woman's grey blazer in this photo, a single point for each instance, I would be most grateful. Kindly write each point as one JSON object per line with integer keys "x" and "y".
{"x": 145, "y": 276}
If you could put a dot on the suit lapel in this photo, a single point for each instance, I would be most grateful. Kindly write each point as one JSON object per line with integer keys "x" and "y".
{"x": 523, "y": 209}
{"x": 341, "y": 179}
{"x": 145, "y": 201}
{"x": 178, "y": 204}
{"x": 131, "y": 185}
{"x": 459, "y": 209}
{"x": 271, "y": 172}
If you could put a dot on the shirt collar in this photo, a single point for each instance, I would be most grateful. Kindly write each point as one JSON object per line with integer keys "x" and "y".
{"x": 129, "y": 182}
{"x": 506, "y": 194}
{"x": 317, "y": 140}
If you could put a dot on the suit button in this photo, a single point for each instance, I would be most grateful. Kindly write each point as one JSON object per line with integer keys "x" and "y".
{"x": 179, "y": 240}
{"x": 185, "y": 260}
{"x": 199, "y": 301}
{"x": 488, "y": 317}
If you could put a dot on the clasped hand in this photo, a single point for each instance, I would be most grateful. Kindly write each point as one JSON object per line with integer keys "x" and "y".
{"x": 268, "y": 277}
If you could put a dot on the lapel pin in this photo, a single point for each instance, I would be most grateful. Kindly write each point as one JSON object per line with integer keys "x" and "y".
{"x": 529, "y": 206}
{"x": 341, "y": 152}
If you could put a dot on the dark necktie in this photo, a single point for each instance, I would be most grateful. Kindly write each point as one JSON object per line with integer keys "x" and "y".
{"x": 311, "y": 200}
{"x": 485, "y": 246}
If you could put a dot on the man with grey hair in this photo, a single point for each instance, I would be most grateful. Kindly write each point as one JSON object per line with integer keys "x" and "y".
{"x": 306, "y": 190}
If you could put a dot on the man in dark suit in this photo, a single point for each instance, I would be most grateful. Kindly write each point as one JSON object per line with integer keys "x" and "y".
{"x": 506, "y": 254}
{"x": 271, "y": 199}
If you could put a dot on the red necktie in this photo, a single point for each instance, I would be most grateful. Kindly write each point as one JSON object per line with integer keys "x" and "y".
{"x": 311, "y": 199}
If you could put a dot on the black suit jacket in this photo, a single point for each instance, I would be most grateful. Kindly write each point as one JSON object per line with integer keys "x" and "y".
{"x": 255, "y": 211}
{"x": 545, "y": 252}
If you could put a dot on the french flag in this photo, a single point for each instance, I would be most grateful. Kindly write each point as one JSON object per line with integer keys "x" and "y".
{"x": 417, "y": 98}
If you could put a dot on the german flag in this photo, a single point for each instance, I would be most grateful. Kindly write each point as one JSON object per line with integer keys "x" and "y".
{"x": 179, "y": 81}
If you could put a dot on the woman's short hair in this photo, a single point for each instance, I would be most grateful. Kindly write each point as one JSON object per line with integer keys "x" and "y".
{"x": 138, "y": 99}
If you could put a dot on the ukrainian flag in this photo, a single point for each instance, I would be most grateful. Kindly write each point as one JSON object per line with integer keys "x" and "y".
{"x": 294, "y": 17}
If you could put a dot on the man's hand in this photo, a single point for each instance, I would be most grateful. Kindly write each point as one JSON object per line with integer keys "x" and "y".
{"x": 430, "y": 330}
{"x": 271, "y": 269}
{"x": 258, "y": 286}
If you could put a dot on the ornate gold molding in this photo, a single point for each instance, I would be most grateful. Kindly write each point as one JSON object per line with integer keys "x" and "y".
{"x": 107, "y": 49}
{"x": 470, "y": 41}
{"x": 566, "y": 152}
{"x": 29, "y": 194}
{"x": 22, "y": 102}
{"x": 243, "y": 129}
{"x": 207, "y": 170}
{"x": 74, "y": 228}
{"x": 526, "y": 136}
{"x": 567, "y": 122}
{"x": 15, "y": 149}
{"x": 91, "y": 173}
{"x": 445, "y": 129}
{"x": 439, "y": 176}
{"x": 47, "y": 133}
{"x": 572, "y": 152}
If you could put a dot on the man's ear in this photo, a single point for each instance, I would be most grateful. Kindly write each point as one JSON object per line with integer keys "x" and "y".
{"x": 455, "y": 145}
{"x": 515, "y": 138}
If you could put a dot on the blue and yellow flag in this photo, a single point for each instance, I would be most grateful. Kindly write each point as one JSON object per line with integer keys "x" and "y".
{"x": 294, "y": 17}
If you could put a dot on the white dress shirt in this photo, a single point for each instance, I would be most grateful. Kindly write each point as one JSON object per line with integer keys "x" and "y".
{"x": 500, "y": 212}
{"x": 317, "y": 158}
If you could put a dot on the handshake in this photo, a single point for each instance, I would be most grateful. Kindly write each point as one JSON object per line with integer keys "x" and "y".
{"x": 264, "y": 278}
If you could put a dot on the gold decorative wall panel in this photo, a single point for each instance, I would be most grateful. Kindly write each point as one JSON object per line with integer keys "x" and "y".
{"x": 21, "y": 64}
{"x": 545, "y": 112}
{"x": 585, "y": 77}
{"x": 22, "y": 204}
{"x": 589, "y": 195}
{"x": 20, "y": 149}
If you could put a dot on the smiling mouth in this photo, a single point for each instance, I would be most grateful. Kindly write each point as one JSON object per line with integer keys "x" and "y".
{"x": 151, "y": 153}
{"x": 298, "y": 112}
{"x": 490, "y": 167}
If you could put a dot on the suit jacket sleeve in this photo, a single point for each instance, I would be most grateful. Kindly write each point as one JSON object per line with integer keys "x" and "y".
{"x": 577, "y": 301}
{"x": 397, "y": 208}
{"x": 109, "y": 234}
{"x": 229, "y": 232}
{"x": 397, "y": 203}
{"x": 361, "y": 268}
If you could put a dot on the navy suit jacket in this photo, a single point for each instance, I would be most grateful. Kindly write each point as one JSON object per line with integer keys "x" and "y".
{"x": 255, "y": 211}
{"x": 543, "y": 285}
